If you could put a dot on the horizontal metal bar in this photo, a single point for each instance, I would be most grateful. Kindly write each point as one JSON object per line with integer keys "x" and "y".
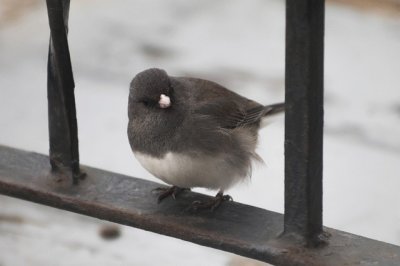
{"x": 234, "y": 227}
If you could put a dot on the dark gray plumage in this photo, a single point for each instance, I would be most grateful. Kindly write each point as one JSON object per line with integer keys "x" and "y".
{"x": 197, "y": 134}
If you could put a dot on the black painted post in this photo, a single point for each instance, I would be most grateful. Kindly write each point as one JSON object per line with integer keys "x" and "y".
{"x": 304, "y": 119}
{"x": 63, "y": 132}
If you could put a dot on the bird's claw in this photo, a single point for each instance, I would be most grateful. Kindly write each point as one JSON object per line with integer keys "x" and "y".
{"x": 165, "y": 192}
{"x": 227, "y": 198}
{"x": 211, "y": 204}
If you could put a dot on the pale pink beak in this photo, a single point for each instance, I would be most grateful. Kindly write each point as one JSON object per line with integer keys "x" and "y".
{"x": 164, "y": 101}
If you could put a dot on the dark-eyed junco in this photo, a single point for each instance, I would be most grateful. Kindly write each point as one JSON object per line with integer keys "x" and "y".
{"x": 191, "y": 132}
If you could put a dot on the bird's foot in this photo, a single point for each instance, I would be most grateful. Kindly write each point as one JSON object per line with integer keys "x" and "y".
{"x": 211, "y": 205}
{"x": 165, "y": 192}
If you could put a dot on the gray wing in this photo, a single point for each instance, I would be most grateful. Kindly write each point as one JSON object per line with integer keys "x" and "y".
{"x": 230, "y": 114}
{"x": 226, "y": 108}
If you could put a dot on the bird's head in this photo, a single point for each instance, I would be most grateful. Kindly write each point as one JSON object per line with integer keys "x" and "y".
{"x": 151, "y": 88}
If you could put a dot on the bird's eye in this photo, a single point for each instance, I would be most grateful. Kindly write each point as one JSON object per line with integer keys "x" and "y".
{"x": 147, "y": 102}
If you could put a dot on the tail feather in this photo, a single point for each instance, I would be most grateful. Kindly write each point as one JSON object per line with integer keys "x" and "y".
{"x": 270, "y": 112}
{"x": 274, "y": 109}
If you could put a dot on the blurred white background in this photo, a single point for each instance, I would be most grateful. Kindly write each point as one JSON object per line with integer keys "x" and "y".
{"x": 239, "y": 44}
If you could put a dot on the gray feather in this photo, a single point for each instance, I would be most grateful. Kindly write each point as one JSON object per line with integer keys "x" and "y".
{"x": 205, "y": 120}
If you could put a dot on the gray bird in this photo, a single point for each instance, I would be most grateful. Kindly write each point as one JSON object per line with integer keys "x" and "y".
{"x": 190, "y": 132}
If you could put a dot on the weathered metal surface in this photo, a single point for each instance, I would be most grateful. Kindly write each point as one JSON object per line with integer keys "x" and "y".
{"x": 304, "y": 119}
{"x": 63, "y": 132}
{"x": 234, "y": 227}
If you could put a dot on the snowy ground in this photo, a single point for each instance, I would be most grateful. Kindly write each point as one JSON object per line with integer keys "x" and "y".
{"x": 237, "y": 43}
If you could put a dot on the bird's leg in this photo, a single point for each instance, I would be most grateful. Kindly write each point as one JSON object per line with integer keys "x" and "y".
{"x": 172, "y": 191}
{"x": 210, "y": 204}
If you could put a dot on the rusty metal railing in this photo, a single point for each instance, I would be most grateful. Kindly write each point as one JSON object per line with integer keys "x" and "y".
{"x": 295, "y": 238}
{"x": 304, "y": 119}
{"x": 63, "y": 129}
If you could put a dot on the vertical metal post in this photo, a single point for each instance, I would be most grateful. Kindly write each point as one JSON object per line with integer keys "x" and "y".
{"x": 63, "y": 132}
{"x": 304, "y": 119}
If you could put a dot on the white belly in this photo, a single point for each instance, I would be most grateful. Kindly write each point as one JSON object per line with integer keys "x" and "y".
{"x": 188, "y": 172}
